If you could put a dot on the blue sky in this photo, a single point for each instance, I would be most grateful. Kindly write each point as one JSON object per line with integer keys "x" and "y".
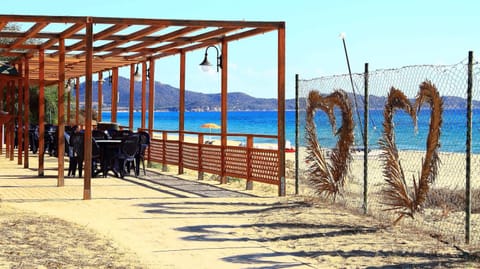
{"x": 386, "y": 34}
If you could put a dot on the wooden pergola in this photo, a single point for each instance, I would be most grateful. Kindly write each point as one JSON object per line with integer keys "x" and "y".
{"x": 55, "y": 49}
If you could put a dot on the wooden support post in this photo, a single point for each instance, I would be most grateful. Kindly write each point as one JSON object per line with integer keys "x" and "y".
{"x": 164, "y": 151}
{"x": 20, "y": 128}
{"x": 11, "y": 124}
{"x": 41, "y": 112}
{"x": 87, "y": 191}
{"x": 131, "y": 103}
{"x": 26, "y": 114}
{"x": 77, "y": 103}
{"x": 69, "y": 104}
{"x": 224, "y": 109}
{"x": 61, "y": 114}
{"x": 181, "y": 115}
{"x": 200, "y": 161}
{"x": 99, "y": 96}
{"x": 69, "y": 110}
{"x": 12, "y": 132}
{"x": 114, "y": 94}
{"x": 7, "y": 125}
{"x": 151, "y": 104}
{"x": 144, "y": 95}
{"x": 249, "y": 162}
{"x": 2, "y": 87}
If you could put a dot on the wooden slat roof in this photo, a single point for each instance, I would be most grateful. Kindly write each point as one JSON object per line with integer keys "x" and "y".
{"x": 117, "y": 41}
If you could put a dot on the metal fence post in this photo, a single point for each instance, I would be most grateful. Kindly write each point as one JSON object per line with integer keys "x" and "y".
{"x": 297, "y": 144}
{"x": 365, "y": 142}
{"x": 468, "y": 205}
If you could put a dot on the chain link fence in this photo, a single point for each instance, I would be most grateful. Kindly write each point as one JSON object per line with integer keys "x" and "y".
{"x": 444, "y": 211}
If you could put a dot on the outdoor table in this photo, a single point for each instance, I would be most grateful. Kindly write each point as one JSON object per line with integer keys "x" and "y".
{"x": 108, "y": 141}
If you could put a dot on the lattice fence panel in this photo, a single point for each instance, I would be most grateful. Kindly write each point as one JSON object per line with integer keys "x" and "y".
{"x": 211, "y": 159}
{"x": 264, "y": 165}
{"x": 190, "y": 156}
{"x": 236, "y": 162}
{"x": 156, "y": 150}
{"x": 172, "y": 152}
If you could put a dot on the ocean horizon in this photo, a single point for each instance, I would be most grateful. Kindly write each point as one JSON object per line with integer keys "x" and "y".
{"x": 453, "y": 131}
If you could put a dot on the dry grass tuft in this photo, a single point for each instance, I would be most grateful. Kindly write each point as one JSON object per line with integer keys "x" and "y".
{"x": 30, "y": 241}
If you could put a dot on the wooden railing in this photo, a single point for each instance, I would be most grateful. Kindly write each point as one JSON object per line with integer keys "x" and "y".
{"x": 236, "y": 159}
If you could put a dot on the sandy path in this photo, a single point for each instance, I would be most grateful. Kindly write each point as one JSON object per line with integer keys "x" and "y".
{"x": 178, "y": 224}
{"x": 162, "y": 226}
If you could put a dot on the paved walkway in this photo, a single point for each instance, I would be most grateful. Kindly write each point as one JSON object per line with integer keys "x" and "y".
{"x": 166, "y": 221}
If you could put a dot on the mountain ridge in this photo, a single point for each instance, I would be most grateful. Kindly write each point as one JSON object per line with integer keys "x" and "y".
{"x": 167, "y": 99}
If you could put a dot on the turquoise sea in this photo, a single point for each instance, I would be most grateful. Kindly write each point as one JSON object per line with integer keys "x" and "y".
{"x": 453, "y": 135}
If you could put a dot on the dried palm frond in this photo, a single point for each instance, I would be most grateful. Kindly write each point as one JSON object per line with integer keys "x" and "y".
{"x": 328, "y": 178}
{"x": 429, "y": 94}
{"x": 397, "y": 195}
{"x": 396, "y": 192}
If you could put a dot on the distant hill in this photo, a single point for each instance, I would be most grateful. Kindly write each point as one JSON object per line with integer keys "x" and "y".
{"x": 167, "y": 99}
{"x": 449, "y": 102}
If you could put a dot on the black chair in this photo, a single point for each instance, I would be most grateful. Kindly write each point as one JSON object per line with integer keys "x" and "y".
{"x": 121, "y": 134}
{"x": 112, "y": 133}
{"x": 144, "y": 142}
{"x": 97, "y": 134}
{"x": 108, "y": 154}
{"x": 76, "y": 161}
{"x": 126, "y": 157}
{"x": 96, "y": 159}
{"x": 15, "y": 139}
{"x": 51, "y": 138}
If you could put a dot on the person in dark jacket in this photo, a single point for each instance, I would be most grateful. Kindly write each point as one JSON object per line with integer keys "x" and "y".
{"x": 73, "y": 159}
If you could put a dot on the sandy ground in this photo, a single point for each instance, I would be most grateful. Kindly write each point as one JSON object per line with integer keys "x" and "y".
{"x": 169, "y": 222}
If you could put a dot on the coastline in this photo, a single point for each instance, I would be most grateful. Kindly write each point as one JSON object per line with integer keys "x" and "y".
{"x": 265, "y": 122}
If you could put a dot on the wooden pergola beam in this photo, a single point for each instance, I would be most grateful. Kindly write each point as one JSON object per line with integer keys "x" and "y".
{"x": 29, "y": 34}
{"x": 98, "y": 36}
{"x": 74, "y": 67}
{"x": 171, "y": 42}
{"x": 2, "y": 24}
{"x": 112, "y": 37}
{"x": 131, "y": 37}
{"x": 68, "y": 52}
{"x": 65, "y": 34}
{"x": 144, "y": 44}
{"x": 198, "y": 23}
{"x": 197, "y": 38}
{"x": 20, "y": 46}
{"x": 109, "y": 31}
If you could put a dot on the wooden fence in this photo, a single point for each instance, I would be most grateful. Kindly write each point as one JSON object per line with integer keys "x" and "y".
{"x": 236, "y": 159}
